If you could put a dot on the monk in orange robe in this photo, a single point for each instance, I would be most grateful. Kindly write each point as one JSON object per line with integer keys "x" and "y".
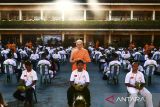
{"x": 79, "y": 53}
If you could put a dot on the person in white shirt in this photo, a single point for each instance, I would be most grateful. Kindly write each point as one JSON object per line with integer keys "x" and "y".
{"x": 62, "y": 54}
{"x": 4, "y": 53}
{"x": 114, "y": 61}
{"x": 137, "y": 55}
{"x": 56, "y": 57}
{"x": 135, "y": 82}
{"x": 23, "y": 54}
{"x": 27, "y": 84}
{"x": 156, "y": 55}
{"x": 79, "y": 83}
{"x": 97, "y": 55}
{"x": 43, "y": 61}
{"x": 34, "y": 59}
{"x": 102, "y": 61}
{"x": 150, "y": 61}
{"x": 9, "y": 61}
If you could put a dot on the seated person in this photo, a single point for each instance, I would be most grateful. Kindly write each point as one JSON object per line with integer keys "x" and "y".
{"x": 79, "y": 83}
{"x": 135, "y": 82}
{"x": 44, "y": 61}
{"x": 27, "y": 84}
{"x": 10, "y": 61}
{"x": 114, "y": 61}
{"x": 150, "y": 61}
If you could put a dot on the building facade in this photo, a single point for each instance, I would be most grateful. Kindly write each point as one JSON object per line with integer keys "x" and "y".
{"x": 109, "y": 23}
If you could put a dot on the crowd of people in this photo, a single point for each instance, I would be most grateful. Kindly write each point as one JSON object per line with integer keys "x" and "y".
{"x": 26, "y": 59}
{"x": 135, "y": 61}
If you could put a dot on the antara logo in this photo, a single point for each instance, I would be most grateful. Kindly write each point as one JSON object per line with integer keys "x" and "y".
{"x": 113, "y": 99}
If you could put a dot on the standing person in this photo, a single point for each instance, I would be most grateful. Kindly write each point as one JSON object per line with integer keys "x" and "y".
{"x": 27, "y": 84}
{"x": 135, "y": 84}
{"x": 79, "y": 53}
{"x": 79, "y": 83}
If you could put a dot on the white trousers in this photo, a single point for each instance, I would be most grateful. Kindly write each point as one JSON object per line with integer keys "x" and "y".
{"x": 144, "y": 92}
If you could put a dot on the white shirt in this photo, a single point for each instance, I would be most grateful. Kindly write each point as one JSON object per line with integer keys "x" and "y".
{"x": 80, "y": 77}
{"x": 156, "y": 53}
{"x": 34, "y": 56}
{"x": 10, "y": 61}
{"x": 56, "y": 56}
{"x": 4, "y": 53}
{"x": 29, "y": 77}
{"x": 133, "y": 78}
{"x": 97, "y": 53}
{"x": 126, "y": 55}
{"x": 23, "y": 53}
{"x": 114, "y": 62}
{"x": 45, "y": 62}
{"x": 149, "y": 62}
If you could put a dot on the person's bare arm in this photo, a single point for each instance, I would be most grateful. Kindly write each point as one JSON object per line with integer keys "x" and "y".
{"x": 71, "y": 58}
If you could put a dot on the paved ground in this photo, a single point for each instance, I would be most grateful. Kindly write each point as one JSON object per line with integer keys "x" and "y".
{"x": 55, "y": 95}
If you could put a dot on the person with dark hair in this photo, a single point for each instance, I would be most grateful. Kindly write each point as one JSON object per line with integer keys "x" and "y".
{"x": 135, "y": 83}
{"x": 44, "y": 61}
{"x": 27, "y": 84}
{"x": 34, "y": 59}
{"x": 150, "y": 61}
{"x": 79, "y": 83}
{"x": 114, "y": 61}
{"x": 10, "y": 61}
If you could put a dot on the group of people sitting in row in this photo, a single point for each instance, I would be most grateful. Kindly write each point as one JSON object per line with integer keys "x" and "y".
{"x": 79, "y": 77}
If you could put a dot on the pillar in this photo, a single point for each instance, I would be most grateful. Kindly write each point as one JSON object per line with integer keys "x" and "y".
{"x": 21, "y": 38}
{"x": 105, "y": 40}
{"x": 63, "y": 36}
{"x": 85, "y": 15}
{"x": 42, "y": 15}
{"x": 152, "y": 39}
{"x": 131, "y": 38}
{"x": 63, "y": 15}
{"x": 131, "y": 15}
{"x": 0, "y": 37}
{"x": 110, "y": 15}
{"x": 20, "y": 14}
{"x": 85, "y": 39}
{"x": 0, "y": 15}
{"x": 109, "y": 38}
{"x": 153, "y": 15}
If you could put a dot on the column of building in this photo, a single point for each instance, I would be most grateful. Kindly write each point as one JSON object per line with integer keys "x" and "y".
{"x": 131, "y": 15}
{"x": 20, "y": 14}
{"x": 41, "y": 13}
{"x": 85, "y": 38}
{"x": 130, "y": 37}
{"x": 63, "y": 36}
{"x": 153, "y": 15}
{"x": 152, "y": 38}
{"x": 21, "y": 41}
{"x": 85, "y": 15}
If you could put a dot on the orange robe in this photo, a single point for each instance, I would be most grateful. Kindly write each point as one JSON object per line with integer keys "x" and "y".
{"x": 81, "y": 54}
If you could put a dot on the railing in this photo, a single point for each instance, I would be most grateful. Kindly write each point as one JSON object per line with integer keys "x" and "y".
{"x": 81, "y": 24}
